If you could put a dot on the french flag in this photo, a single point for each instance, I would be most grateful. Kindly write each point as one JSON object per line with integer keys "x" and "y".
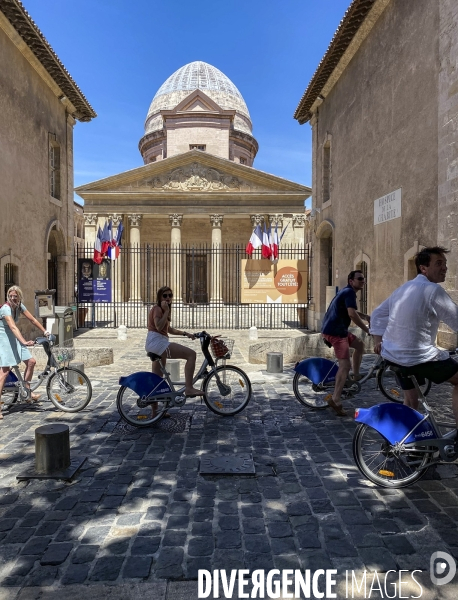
{"x": 274, "y": 243}
{"x": 98, "y": 256}
{"x": 265, "y": 250}
{"x": 115, "y": 248}
{"x": 106, "y": 239}
{"x": 255, "y": 240}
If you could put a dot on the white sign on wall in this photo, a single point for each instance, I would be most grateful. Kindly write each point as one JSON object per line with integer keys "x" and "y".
{"x": 387, "y": 207}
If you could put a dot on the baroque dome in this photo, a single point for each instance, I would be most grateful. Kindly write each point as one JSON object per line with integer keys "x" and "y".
{"x": 198, "y": 75}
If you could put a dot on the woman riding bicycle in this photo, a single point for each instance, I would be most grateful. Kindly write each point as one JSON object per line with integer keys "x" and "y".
{"x": 157, "y": 340}
{"x": 12, "y": 343}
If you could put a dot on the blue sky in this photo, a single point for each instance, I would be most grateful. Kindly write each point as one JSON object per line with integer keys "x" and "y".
{"x": 120, "y": 52}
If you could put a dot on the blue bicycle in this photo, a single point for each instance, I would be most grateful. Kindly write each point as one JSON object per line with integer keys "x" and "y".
{"x": 394, "y": 445}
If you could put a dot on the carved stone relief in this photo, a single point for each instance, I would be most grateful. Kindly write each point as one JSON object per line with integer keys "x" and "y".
{"x": 216, "y": 220}
{"x": 90, "y": 219}
{"x": 299, "y": 220}
{"x": 135, "y": 220}
{"x": 257, "y": 220}
{"x": 276, "y": 219}
{"x": 116, "y": 219}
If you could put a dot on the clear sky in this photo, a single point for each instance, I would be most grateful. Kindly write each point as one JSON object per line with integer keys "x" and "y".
{"x": 119, "y": 53}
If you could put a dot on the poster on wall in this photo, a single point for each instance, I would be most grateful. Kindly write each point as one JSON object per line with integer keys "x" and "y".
{"x": 264, "y": 282}
{"x": 94, "y": 281}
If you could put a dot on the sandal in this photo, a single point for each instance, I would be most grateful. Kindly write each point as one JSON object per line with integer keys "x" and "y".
{"x": 33, "y": 398}
{"x": 337, "y": 408}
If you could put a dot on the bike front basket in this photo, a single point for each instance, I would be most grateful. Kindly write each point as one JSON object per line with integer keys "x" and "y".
{"x": 221, "y": 348}
{"x": 63, "y": 354}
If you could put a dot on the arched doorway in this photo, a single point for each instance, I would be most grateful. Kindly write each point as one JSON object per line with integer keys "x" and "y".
{"x": 56, "y": 266}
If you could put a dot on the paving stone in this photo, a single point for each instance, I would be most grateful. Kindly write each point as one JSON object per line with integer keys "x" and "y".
{"x": 116, "y": 545}
{"x": 169, "y": 563}
{"x": 56, "y": 553}
{"x": 279, "y": 529}
{"x": 75, "y": 573}
{"x": 36, "y": 546}
{"x": 19, "y": 535}
{"x": 174, "y": 538}
{"x": 84, "y": 554}
{"x": 228, "y": 539}
{"x": 107, "y": 568}
{"x": 201, "y": 546}
{"x": 398, "y": 544}
{"x": 145, "y": 545}
{"x": 257, "y": 543}
{"x": 137, "y": 567}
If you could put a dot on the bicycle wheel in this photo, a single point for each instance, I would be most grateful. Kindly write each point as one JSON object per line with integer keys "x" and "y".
{"x": 235, "y": 392}
{"x": 130, "y": 408}
{"x": 390, "y": 388}
{"x": 69, "y": 389}
{"x": 8, "y": 398}
{"x": 378, "y": 461}
{"x": 307, "y": 393}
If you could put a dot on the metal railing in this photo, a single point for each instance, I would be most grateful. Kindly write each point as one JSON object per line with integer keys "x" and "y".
{"x": 206, "y": 281}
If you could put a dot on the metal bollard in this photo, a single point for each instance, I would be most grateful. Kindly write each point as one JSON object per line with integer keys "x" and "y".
{"x": 173, "y": 367}
{"x": 52, "y": 448}
{"x": 274, "y": 362}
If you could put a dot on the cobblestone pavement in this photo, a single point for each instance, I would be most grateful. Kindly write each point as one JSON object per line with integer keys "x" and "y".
{"x": 138, "y": 514}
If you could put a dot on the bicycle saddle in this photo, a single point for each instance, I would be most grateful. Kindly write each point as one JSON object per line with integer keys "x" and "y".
{"x": 153, "y": 356}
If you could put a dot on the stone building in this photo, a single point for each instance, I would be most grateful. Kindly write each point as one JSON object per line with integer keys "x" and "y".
{"x": 383, "y": 107}
{"x": 39, "y": 106}
{"x": 198, "y": 184}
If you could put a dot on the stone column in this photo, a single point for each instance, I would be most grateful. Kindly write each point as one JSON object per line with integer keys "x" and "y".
{"x": 134, "y": 230}
{"x": 175, "y": 262}
{"x": 216, "y": 222}
{"x": 116, "y": 270}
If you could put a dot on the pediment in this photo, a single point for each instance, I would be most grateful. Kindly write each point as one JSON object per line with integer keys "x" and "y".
{"x": 194, "y": 177}
{"x": 193, "y": 172}
{"x": 197, "y": 101}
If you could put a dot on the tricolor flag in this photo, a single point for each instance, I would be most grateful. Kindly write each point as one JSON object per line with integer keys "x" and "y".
{"x": 106, "y": 239}
{"x": 98, "y": 256}
{"x": 255, "y": 240}
{"x": 265, "y": 250}
{"x": 274, "y": 244}
{"x": 115, "y": 248}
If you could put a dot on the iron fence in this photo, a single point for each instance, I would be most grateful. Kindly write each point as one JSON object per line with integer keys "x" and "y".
{"x": 206, "y": 281}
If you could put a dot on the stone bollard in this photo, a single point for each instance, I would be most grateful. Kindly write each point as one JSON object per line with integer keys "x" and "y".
{"x": 274, "y": 362}
{"x": 253, "y": 335}
{"x": 73, "y": 377}
{"x": 173, "y": 367}
{"x": 52, "y": 448}
{"x": 122, "y": 333}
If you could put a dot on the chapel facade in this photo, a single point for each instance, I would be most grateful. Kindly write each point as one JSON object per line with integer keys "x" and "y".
{"x": 198, "y": 184}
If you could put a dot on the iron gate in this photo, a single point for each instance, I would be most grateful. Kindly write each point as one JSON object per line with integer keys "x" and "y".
{"x": 206, "y": 281}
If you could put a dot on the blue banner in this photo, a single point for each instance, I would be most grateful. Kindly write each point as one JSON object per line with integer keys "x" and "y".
{"x": 94, "y": 281}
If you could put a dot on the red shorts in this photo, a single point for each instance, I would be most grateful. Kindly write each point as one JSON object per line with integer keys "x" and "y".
{"x": 341, "y": 345}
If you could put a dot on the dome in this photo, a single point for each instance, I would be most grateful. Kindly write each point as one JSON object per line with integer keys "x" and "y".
{"x": 205, "y": 77}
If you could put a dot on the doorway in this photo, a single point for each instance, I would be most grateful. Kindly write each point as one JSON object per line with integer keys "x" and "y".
{"x": 196, "y": 278}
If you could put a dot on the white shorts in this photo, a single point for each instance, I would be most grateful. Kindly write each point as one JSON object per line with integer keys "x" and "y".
{"x": 156, "y": 343}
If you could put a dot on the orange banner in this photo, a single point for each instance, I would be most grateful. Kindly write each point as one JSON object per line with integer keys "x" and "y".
{"x": 264, "y": 282}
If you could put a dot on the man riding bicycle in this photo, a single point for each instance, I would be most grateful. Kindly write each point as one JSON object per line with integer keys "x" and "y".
{"x": 405, "y": 327}
{"x": 340, "y": 313}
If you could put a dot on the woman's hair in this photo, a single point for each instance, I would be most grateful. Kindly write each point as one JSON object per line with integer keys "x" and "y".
{"x": 17, "y": 289}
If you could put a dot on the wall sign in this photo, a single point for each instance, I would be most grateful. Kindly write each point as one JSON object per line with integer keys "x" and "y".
{"x": 387, "y": 207}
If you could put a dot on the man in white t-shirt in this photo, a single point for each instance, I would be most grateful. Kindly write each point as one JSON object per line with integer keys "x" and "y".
{"x": 405, "y": 326}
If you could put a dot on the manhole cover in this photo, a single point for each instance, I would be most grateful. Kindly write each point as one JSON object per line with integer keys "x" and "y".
{"x": 228, "y": 464}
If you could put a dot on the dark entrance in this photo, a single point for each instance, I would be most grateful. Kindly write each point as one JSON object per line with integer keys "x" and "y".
{"x": 52, "y": 277}
{"x": 196, "y": 278}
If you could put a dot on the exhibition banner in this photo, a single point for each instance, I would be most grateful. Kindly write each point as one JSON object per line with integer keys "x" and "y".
{"x": 94, "y": 281}
{"x": 283, "y": 282}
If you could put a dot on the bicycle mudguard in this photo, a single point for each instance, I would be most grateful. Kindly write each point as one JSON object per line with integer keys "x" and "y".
{"x": 11, "y": 380}
{"x": 394, "y": 421}
{"x": 318, "y": 370}
{"x": 144, "y": 382}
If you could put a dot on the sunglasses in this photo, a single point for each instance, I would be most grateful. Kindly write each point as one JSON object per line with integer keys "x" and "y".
{"x": 360, "y": 278}
{"x": 167, "y": 295}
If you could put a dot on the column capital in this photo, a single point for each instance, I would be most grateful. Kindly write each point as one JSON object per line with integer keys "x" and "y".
{"x": 276, "y": 219}
{"x": 257, "y": 220}
{"x": 299, "y": 220}
{"x": 115, "y": 219}
{"x": 216, "y": 220}
{"x": 90, "y": 219}
{"x": 135, "y": 220}
{"x": 176, "y": 220}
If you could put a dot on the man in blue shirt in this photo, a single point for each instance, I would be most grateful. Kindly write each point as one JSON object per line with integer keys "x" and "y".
{"x": 342, "y": 310}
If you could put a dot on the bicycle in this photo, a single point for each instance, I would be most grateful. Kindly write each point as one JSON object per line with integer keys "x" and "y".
{"x": 394, "y": 445}
{"x": 68, "y": 388}
{"x": 227, "y": 389}
{"x": 314, "y": 381}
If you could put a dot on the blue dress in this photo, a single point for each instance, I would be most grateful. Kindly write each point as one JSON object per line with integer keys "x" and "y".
{"x": 12, "y": 352}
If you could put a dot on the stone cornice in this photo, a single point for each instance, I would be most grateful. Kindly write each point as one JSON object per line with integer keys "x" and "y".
{"x": 35, "y": 41}
{"x": 109, "y": 185}
{"x": 358, "y": 21}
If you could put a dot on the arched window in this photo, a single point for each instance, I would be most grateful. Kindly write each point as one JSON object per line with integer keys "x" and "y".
{"x": 9, "y": 277}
